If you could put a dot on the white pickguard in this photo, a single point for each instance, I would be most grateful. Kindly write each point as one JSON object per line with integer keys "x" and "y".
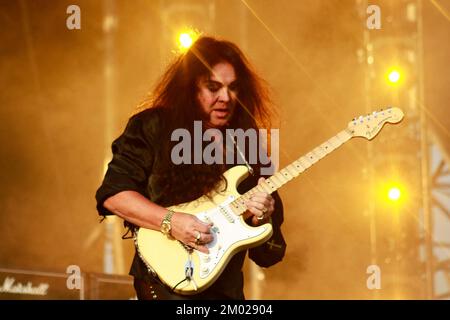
{"x": 227, "y": 230}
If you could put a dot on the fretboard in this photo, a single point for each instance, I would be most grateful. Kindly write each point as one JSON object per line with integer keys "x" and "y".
{"x": 292, "y": 170}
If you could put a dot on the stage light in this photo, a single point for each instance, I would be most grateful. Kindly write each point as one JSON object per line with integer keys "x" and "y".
{"x": 394, "y": 76}
{"x": 394, "y": 194}
{"x": 186, "y": 39}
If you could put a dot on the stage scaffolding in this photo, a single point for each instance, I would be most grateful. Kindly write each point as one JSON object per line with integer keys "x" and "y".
{"x": 409, "y": 247}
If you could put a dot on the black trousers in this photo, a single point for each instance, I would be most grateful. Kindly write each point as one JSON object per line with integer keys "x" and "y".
{"x": 153, "y": 289}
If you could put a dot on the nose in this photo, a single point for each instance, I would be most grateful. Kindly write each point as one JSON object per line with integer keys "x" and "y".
{"x": 224, "y": 94}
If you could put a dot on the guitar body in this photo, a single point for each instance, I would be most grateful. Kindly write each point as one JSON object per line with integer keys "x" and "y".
{"x": 173, "y": 262}
{"x": 169, "y": 259}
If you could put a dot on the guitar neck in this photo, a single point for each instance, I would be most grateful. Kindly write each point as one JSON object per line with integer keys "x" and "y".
{"x": 292, "y": 170}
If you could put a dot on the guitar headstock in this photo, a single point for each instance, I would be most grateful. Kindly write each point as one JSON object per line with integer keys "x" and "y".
{"x": 369, "y": 126}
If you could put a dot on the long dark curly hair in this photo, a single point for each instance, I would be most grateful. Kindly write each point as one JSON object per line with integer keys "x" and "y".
{"x": 176, "y": 93}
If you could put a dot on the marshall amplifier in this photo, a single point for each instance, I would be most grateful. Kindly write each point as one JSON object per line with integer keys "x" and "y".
{"x": 16, "y": 284}
{"x": 110, "y": 287}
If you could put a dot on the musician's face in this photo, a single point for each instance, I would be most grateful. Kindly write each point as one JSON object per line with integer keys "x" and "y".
{"x": 217, "y": 94}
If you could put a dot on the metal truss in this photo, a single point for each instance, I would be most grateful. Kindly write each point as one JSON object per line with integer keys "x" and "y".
{"x": 440, "y": 214}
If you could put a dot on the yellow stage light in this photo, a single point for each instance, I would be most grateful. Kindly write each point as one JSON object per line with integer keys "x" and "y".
{"x": 394, "y": 76}
{"x": 394, "y": 194}
{"x": 186, "y": 39}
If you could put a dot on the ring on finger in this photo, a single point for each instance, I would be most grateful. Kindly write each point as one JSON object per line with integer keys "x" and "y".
{"x": 198, "y": 237}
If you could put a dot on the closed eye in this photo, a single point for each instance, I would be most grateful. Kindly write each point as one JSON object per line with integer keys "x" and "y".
{"x": 233, "y": 86}
{"x": 215, "y": 86}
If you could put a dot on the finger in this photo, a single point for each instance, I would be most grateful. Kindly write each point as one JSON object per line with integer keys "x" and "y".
{"x": 206, "y": 238}
{"x": 256, "y": 212}
{"x": 203, "y": 227}
{"x": 261, "y": 180}
{"x": 262, "y": 197}
{"x": 198, "y": 247}
{"x": 270, "y": 206}
{"x": 272, "y": 202}
{"x": 203, "y": 249}
{"x": 202, "y": 238}
{"x": 257, "y": 205}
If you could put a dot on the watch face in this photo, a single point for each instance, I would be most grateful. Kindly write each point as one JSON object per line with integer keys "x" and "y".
{"x": 165, "y": 227}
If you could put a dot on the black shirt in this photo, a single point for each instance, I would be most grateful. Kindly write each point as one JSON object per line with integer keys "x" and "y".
{"x": 135, "y": 156}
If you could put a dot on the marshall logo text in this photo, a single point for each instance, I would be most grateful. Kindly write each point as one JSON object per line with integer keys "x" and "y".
{"x": 9, "y": 286}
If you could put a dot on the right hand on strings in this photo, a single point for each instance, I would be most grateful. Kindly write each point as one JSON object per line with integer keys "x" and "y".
{"x": 190, "y": 230}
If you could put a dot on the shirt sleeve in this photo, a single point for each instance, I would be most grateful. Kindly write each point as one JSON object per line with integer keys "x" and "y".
{"x": 133, "y": 154}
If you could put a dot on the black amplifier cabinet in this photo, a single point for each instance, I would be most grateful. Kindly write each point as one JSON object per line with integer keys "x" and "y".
{"x": 110, "y": 287}
{"x": 16, "y": 284}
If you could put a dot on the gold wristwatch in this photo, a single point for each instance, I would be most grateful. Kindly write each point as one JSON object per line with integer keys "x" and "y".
{"x": 166, "y": 227}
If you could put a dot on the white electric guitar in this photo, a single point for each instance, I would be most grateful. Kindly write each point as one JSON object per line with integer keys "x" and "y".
{"x": 189, "y": 271}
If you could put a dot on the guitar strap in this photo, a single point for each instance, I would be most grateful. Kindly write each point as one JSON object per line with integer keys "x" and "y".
{"x": 250, "y": 169}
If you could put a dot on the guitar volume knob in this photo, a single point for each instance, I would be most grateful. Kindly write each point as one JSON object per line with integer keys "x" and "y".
{"x": 205, "y": 270}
